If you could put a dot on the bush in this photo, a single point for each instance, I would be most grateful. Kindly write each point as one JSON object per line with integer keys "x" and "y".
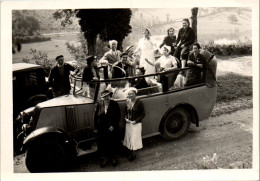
{"x": 225, "y": 49}
{"x": 40, "y": 58}
{"x": 32, "y": 39}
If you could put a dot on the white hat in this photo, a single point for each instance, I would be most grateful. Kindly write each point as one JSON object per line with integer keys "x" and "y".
{"x": 131, "y": 89}
{"x": 167, "y": 47}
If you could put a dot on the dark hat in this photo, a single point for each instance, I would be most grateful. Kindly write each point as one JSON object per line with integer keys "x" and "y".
{"x": 59, "y": 57}
{"x": 123, "y": 54}
{"x": 105, "y": 93}
{"x": 90, "y": 59}
{"x": 129, "y": 48}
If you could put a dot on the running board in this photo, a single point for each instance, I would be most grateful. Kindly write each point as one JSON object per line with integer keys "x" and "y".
{"x": 92, "y": 149}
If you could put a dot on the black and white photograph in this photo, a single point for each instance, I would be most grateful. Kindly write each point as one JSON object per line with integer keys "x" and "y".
{"x": 110, "y": 90}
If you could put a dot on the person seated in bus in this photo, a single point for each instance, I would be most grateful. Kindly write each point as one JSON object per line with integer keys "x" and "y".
{"x": 197, "y": 62}
{"x": 90, "y": 74}
{"x": 112, "y": 56}
{"x": 170, "y": 40}
{"x": 132, "y": 60}
{"x": 145, "y": 85}
{"x": 140, "y": 83}
{"x": 120, "y": 69}
{"x": 167, "y": 62}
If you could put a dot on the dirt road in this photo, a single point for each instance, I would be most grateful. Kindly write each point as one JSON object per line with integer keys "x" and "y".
{"x": 229, "y": 137}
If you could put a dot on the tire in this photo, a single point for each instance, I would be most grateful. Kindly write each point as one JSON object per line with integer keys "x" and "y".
{"x": 176, "y": 124}
{"x": 45, "y": 156}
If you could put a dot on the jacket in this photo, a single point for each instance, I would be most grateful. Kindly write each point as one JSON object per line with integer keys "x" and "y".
{"x": 56, "y": 79}
{"x": 186, "y": 37}
{"x": 169, "y": 41}
{"x": 136, "y": 113}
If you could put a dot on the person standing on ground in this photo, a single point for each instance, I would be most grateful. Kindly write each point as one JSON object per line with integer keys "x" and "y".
{"x": 107, "y": 116}
{"x": 59, "y": 77}
{"x": 134, "y": 113}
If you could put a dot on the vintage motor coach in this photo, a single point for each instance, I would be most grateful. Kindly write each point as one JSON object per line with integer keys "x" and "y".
{"x": 61, "y": 128}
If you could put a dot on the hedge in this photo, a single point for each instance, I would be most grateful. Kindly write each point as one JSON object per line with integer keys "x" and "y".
{"x": 32, "y": 39}
{"x": 239, "y": 48}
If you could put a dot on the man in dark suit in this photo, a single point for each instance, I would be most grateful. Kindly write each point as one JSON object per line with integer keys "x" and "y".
{"x": 106, "y": 120}
{"x": 120, "y": 69}
{"x": 59, "y": 77}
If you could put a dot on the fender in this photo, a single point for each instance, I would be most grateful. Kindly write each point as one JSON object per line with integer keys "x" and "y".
{"x": 37, "y": 98}
{"x": 49, "y": 132}
{"x": 191, "y": 109}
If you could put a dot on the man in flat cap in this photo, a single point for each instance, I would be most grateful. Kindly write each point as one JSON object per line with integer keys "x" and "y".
{"x": 59, "y": 77}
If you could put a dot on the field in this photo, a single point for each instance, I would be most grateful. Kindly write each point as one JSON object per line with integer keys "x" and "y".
{"x": 53, "y": 48}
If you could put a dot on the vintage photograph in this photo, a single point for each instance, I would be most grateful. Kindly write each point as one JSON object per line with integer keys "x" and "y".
{"x": 132, "y": 89}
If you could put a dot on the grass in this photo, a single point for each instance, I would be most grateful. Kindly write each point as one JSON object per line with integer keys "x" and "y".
{"x": 234, "y": 86}
{"x": 234, "y": 94}
{"x": 53, "y": 48}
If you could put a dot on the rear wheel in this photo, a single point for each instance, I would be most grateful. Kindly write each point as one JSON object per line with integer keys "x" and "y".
{"x": 45, "y": 156}
{"x": 176, "y": 124}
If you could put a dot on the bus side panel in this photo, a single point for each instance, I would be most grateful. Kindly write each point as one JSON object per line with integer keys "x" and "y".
{"x": 154, "y": 108}
{"x": 201, "y": 98}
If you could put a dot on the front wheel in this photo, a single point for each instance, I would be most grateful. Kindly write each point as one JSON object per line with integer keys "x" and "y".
{"x": 45, "y": 156}
{"x": 176, "y": 124}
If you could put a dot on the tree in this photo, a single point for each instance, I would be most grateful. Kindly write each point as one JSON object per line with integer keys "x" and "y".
{"x": 23, "y": 25}
{"x": 107, "y": 23}
{"x": 194, "y": 13}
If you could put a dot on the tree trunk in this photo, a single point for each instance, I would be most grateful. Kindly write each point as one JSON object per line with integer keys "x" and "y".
{"x": 194, "y": 12}
{"x": 92, "y": 41}
{"x": 119, "y": 46}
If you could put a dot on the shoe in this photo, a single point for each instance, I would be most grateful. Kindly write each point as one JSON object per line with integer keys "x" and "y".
{"x": 114, "y": 161}
{"x": 103, "y": 162}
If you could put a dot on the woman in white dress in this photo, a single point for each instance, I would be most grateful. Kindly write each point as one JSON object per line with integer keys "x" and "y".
{"x": 146, "y": 48}
{"x": 134, "y": 114}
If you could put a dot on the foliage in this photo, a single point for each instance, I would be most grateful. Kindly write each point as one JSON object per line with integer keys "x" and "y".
{"x": 107, "y": 23}
{"x": 23, "y": 25}
{"x": 32, "y": 39}
{"x": 226, "y": 49}
{"x": 79, "y": 50}
{"x": 234, "y": 86}
{"x": 40, "y": 58}
{"x": 232, "y": 18}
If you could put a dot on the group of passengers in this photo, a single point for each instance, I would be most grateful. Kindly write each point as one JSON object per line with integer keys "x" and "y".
{"x": 115, "y": 64}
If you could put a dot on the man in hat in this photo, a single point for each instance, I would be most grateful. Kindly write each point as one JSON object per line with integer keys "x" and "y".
{"x": 59, "y": 77}
{"x": 121, "y": 69}
{"x": 106, "y": 120}
{"x": 132, "y": 60}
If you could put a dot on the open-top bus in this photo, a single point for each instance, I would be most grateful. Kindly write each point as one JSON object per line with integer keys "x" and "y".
{"x": 63, "y": 127}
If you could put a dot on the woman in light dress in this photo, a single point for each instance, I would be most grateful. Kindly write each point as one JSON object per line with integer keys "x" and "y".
{"x": 146, "y": 48}
{"x": 134, "y": 114}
